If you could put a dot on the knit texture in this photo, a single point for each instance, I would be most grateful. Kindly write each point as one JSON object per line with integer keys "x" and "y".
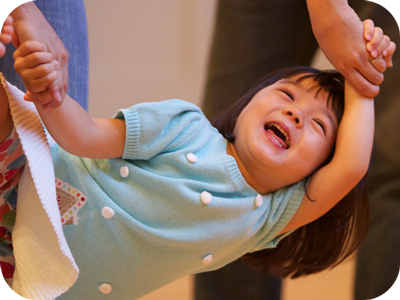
{"x": 45, "y": 267}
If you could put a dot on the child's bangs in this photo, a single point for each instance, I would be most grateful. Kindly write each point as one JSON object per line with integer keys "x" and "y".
{"x": 333, "y": 83}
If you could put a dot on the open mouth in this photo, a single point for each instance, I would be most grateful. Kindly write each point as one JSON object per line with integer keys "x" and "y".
{"x": 278, "y": 134}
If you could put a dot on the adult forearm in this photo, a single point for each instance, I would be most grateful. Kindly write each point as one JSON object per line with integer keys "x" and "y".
{"x": 24, "y": 10}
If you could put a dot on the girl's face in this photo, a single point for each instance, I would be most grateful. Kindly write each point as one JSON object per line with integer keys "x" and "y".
{"x": 285, "y": 133}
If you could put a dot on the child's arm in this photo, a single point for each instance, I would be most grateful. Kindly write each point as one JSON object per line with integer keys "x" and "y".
{"x": 6, "y": 123}
{"x": 353, "y": 149}
{"x": 69, "y": 124}
{"x": 6, "y": 34}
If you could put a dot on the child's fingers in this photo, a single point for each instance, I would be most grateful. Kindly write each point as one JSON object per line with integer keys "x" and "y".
{"x": 385, "y": 42}
{"x": 374, "y": 43}
{"x": 29, "y": 47}
{"x": 368, "y": 29}
{"x": 37, "y": 72}
{"x": 388, "y": 53}
{"x": 32, "y": 60}
{"x": 41, "y": 84}
{"x": 379, "y": 63}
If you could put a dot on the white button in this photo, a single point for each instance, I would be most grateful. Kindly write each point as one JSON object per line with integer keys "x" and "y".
{"x": 107, "y": 212}
{"x": 258, "y": 201}
{"x": 207, "y": 259}
{"x": 124, "y": 171}
{"x": 105, "y": 288}
{"x": 206, "y": 197}
{"x": 191, "y": 158}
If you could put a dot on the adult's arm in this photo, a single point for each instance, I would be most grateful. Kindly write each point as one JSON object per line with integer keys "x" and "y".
{"x": 339, "y": 33}
{"x": 30, "y": 24}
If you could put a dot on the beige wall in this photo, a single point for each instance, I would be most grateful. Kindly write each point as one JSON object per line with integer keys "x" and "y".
{"x": 146, "y": 50}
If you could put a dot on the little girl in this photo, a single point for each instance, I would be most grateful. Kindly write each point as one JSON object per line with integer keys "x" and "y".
{"x": 157, "y": 193}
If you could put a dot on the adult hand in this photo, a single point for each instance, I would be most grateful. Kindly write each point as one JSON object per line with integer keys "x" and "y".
{"x": 6, "y": 33}
{"x": 30, "y": 24}
{"x": 339, "y": 33}
{"x": 382, "y": 47}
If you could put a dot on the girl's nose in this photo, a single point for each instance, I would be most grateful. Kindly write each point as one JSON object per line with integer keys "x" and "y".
{"x": 295, "y": 115}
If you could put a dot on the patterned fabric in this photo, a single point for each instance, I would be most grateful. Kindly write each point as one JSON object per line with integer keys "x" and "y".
{"x": 12, "y": 161}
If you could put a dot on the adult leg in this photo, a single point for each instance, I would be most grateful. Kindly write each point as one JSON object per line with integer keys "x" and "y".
{"x": 68, "y": 18}
{"x": 378, "y": 260}
{"x": 251, "y": 38}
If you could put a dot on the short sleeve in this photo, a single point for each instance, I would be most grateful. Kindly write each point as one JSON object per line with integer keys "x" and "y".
{"x": 153, "y": 128}
{"x": 283, "y": 204}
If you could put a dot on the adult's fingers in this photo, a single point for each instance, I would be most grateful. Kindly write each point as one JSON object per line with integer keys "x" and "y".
{"x": 374, "y": 43}
{"x": 379, "y": 63}
{"x": 362, "y": 85}
{"x": 369, "y": 27}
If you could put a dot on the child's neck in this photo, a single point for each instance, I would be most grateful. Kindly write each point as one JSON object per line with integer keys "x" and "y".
{"x": 231, "y": 150}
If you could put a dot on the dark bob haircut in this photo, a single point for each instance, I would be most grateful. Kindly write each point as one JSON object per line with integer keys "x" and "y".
{"x": 327, "y": 241}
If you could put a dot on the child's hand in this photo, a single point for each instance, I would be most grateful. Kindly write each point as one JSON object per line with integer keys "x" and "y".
{"x": 6, "y": 35}
{"x": 38, "y": 69}
{"x": 379, "y": 46}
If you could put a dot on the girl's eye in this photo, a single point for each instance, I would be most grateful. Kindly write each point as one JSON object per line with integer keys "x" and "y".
{"x": 289, "y": 94}
{"x": 322, "y": 125}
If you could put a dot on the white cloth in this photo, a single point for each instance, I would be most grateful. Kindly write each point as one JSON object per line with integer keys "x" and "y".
{"x": 45, "y": 267}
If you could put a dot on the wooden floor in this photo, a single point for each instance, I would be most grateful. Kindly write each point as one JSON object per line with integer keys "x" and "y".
{"x": 329, "y": 285}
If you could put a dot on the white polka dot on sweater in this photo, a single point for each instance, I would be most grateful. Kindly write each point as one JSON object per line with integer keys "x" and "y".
{"x": 124, "y": 171}
{"x": 258, "y": 201}
{"x": 107, "y": 212}
{"x": 191, "y": 158}
{"x": 206, "y": 197}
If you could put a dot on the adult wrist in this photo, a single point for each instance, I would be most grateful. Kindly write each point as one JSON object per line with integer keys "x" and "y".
{"x": 23, "y": 10}
{"x": 325, "y": 14}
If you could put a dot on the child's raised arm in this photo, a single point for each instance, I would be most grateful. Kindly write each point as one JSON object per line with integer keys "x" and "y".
{"x": 69, "y": 124}
{"x": 354, "y": 142}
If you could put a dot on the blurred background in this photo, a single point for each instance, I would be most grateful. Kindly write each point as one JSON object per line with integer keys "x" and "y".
{"x": 155, "y": 50}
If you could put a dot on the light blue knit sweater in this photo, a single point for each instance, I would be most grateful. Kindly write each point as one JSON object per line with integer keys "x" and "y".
{"x": 176, "y": 204}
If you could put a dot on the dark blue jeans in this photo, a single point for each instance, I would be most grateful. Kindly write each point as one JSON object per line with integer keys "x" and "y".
{"x": 254, "y": 37}
{"x": 68, "y": 18}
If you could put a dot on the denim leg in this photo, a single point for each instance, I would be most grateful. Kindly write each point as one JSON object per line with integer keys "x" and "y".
{"x": 237, "y": 281}
{"x": 251, "y": 38}
{"x": 378, "y": 260}
{"x": 68, "y": 18}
